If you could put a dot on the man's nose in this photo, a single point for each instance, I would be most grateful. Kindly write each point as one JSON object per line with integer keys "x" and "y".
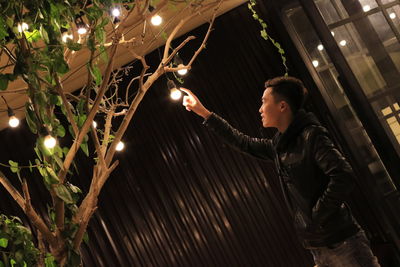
{"x": 260, "y": 110}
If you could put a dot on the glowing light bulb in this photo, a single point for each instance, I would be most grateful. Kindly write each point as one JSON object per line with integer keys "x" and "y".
{"x": 333, "y": 33}
{"x": 94, "y": 123}
{"x": 13, "y": 121}
{"x": 366, "y": 8}
{"x": 50, "y": 141}
{"x": 175, "y": 94}
{"x": 392, "y": 15}
{"x": 182, "y": 71}
{"x": 82, "y": 30}
{"x": 116, "y": 12}
{"x": 315, "y": 63}
{"x": 22, "y": 27}
{"x": 156, "y": 20}
{"x": 320, "y": 47}
{"x": 120, "y": 146}
{"x": 343, "y": 43}
{"x": 65, "y": 36}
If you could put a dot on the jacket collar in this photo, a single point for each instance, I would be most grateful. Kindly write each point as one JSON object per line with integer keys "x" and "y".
{"x": 301, "y": 120}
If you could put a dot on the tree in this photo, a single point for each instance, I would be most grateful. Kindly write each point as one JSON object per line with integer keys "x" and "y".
{"x": 41, "y": 42}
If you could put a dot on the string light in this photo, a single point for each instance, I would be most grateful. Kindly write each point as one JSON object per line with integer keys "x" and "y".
{"x": 49, "y": 141}
{"x": 156, "y": 20}
{"x": 320, "y": 47}
{"x": 115, "y": 12}
{"x": 22, "y": 27}
{"x": 120, "y": 146}
{"x": 179, "y": 62}
{"x": 343, "y": 43}
{"x": 315, "y": 63}
{"x": 366, "y": 8}
{"x": 392, "y": 15}
{"x": 13, "y": 121}
{"x": 175, "y": 93}
{"x": 94, "y": 123}
{"x": 82, "y": 30}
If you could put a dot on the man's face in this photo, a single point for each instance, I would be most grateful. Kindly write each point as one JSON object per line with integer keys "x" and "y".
{"x": 270, "y": 109}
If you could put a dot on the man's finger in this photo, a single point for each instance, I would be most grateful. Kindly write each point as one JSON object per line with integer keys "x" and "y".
{"x": 187, "y": 91}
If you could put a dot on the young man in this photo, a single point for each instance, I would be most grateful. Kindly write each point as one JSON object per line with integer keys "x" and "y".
{"x": 315, "y": 178}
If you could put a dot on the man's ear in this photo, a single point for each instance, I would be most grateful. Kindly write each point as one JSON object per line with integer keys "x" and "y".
{"x": 283, "y": 105}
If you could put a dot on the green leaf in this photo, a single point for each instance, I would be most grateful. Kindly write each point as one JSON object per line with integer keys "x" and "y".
{"x": 52, "y": 175}
{"x": 44, "y": 34}
{"x": 14, "y": 166}
{"x": 264, "y": 34}
{"x": 3, "y": 29}
{"x": 13, "y": 262}
{"x": 96, "y": 73}
{"x": 103, "y": 53}
{"x": 85, "y": 149}
{"x": 3, "y": 242}
{"x": 63, "y": 193}
{"x": 3, "y": 82}
{"x": 60, "y": 65}
{"x": 49, "y": 261}
{"x": 60, "y": 131}
{"x": 86, "y": 238}
{"x": 74, "y": 46}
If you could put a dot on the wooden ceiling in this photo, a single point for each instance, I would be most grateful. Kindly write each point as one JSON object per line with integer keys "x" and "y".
{"x": 76, "y": 78}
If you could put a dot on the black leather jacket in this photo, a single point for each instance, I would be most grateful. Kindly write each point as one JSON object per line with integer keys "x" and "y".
{"x": 315, "y": 178}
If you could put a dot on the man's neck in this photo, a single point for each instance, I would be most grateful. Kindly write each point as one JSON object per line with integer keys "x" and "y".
{"x": 285, "y": 122}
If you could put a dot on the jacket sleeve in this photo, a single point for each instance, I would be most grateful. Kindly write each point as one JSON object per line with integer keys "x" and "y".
{"x": 258, "y": 147}
{"x": 337, "y": 169}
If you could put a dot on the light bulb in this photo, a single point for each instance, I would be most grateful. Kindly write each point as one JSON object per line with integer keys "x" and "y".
{"x": 65, "y": 36}
{"x": 94, "y": 123}
{"x": 182, "y": 71}
{"x": 49, "y": 141}
{"x": 119, "y": 146}
{"x": 156, "y": 20}
{"x": 116, "y": 12}
{"x": 343, "y": 43}
{"x": 315, "y": 63}
{"x": 175, "y": 94}
{"x": 320, "y": 47}
{"x": 22, "y": 27}
{"x": 13, "y": 121}
{"x": 82, "y": 30}
{"x": 333, "y": 33}
{"x": 366, "y": 8}
{"x": 392, "y": 15}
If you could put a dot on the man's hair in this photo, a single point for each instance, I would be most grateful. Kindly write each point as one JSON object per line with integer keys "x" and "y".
{"x": 288, "y": 89}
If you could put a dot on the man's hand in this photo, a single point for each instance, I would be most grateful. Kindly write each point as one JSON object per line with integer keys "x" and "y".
{"x": 192, "y": 103}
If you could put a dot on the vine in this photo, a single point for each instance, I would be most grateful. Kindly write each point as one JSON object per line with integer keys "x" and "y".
{"x": 266, "y": 36}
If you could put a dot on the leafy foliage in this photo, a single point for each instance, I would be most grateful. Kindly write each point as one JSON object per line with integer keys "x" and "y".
{"x": 265, "y": 35}
{"x": 16, "y": 246}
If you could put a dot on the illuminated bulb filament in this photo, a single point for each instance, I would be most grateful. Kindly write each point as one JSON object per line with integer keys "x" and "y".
{"x": 182, "y": 71}
{"x": 392, "y": 15}
{"x": 49, "y": 141}
{"x": 120, "y": 146}
{"x": 22, "y": 27}
{"x": 156, "y": 20}
{"x": 366, "y": 8}
{"x": 315, "y": 63}
{"x": 94, "y": 123}
{"x": 13, "y": 121}
{"x": 343, "y": 43}
{"x": 82, "y": 30}
{"x": 116, "y": 12}
{"x": 175, "y": 94}
{"x": 320, "y": 47}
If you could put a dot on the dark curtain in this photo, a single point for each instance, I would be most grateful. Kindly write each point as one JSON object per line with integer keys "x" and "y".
{"x": 180, "y": 197}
